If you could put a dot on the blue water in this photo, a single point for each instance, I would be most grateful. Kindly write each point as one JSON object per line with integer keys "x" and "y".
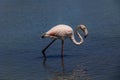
{"x": 23, "y": 21}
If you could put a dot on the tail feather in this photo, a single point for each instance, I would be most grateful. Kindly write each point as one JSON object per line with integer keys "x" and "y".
{"x": 43, "y": 35}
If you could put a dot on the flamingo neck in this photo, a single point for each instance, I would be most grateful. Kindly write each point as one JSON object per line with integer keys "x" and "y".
{"x": 77, "y": 42}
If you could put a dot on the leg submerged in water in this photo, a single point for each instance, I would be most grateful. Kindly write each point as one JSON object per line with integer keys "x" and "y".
{"x": 43, "y": 51}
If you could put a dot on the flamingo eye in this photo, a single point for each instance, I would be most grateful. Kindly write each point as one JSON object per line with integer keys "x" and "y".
{"x": 84, "y": 27}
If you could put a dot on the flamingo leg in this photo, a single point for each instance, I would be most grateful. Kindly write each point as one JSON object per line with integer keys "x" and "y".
{"x": 43, "y": 51}
{"x": 62, "y": 48}
{"x": 62, "y": 64}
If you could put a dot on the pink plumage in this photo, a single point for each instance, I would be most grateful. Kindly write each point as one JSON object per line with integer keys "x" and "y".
{"x": 60, "y": 31}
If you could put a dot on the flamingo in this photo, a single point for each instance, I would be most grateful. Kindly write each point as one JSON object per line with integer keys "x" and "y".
{"x": 62, "y": 32}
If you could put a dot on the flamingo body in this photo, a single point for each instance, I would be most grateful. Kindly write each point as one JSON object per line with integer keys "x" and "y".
{"x": 59, "y": 31}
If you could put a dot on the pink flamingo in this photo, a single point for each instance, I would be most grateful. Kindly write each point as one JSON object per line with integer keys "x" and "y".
{"x": 62, "y": 31}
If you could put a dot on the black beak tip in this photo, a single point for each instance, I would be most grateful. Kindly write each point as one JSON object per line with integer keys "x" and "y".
{"x": 85, "y": 36}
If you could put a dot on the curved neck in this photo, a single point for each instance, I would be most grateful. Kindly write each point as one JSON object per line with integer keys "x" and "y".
{"x": 73, "y": 38}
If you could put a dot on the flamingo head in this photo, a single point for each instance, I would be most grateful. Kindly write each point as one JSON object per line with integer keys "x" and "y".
{"x": 84, "y": 29}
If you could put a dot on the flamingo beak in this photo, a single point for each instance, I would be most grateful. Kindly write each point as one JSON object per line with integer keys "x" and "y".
{"x": 86, "y": 32}
{"x": 85, "y": 36}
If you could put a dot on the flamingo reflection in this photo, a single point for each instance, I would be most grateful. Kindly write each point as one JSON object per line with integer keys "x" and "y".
{"x": 78, "y": 73}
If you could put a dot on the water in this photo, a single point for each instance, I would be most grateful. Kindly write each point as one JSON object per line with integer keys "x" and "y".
{"x": 23, "y": 21}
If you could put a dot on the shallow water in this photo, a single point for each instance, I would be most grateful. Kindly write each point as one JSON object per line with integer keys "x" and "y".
{"x": 23, "y": 21}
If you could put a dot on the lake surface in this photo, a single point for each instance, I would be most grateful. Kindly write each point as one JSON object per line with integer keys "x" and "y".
{"x": 23, "y": 21}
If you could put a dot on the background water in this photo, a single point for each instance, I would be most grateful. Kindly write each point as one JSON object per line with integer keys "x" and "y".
{"x": 23, "y": 21}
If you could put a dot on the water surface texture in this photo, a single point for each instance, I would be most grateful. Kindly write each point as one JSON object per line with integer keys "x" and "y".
{"x": 23, "y": 21}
